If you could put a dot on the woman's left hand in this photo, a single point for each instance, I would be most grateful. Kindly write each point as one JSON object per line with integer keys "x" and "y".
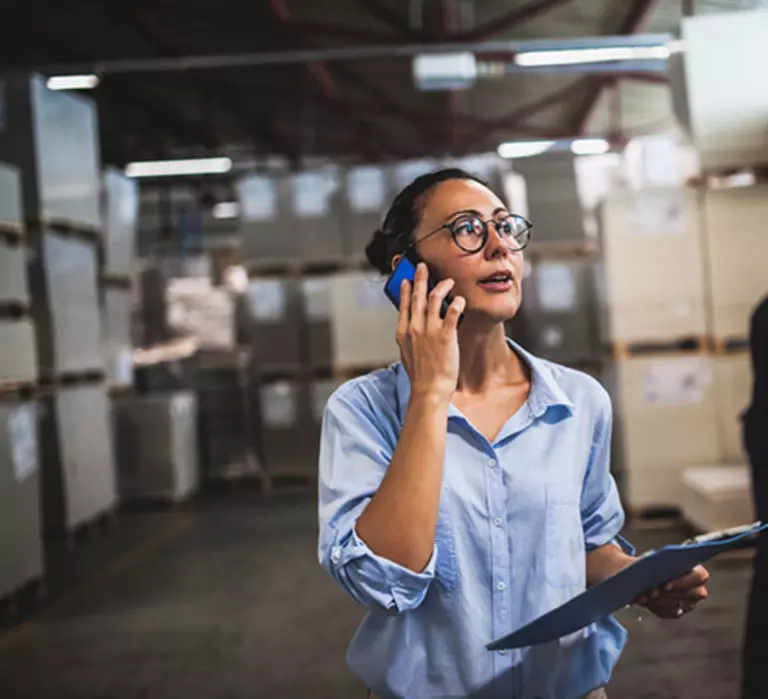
{"x": 678, "y": 597}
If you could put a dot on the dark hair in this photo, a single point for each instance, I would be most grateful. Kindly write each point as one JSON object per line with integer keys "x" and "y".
{"x": 403, "y": 217}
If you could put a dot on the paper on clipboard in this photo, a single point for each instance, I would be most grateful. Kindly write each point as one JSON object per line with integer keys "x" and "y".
{"x": 622, "y": 589}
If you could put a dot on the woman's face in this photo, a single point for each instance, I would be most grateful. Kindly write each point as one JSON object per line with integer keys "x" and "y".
{"x": 495, "y": 301}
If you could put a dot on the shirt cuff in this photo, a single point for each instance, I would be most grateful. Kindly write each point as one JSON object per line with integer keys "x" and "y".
{"x": 624, "y": 545}
{"x": 377, "y": 579}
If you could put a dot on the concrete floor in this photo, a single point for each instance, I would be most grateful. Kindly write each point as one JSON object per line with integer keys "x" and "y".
{"x": 224, "y": 599}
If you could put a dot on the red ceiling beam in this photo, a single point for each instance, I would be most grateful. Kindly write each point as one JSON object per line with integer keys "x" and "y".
{"x": 368, "y": 142}
{"x": 514, "y": 120}
{"x": 392, "y": 19}
{"x": 513, "y": 18}
{"x": 638, "y": 12}
{"x": 337, "y": 31}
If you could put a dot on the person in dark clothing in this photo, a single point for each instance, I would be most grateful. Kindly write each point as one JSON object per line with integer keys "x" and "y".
{"x": 755, "y": 432}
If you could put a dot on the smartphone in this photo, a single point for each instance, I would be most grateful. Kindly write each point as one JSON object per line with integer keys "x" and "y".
{"x": 406, "y": 269}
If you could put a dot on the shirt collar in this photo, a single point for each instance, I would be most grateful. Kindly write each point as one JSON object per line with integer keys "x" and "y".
{"x": 545, "y": 391}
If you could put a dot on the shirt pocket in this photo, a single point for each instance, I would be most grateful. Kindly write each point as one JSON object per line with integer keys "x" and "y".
{"x": 564, "y": 537}
{"x": 446, "y": 569}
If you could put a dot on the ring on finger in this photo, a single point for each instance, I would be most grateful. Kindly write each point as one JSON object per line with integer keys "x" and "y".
{"x": 679, "y": 611}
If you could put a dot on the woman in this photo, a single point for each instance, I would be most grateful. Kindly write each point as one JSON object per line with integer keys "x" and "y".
{"x": 466, "y": 490}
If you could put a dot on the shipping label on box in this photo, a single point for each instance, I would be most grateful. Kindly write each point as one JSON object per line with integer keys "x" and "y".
{"x": 311, "y": 193}
{"x": 267, "y": 299}
{"x": 258, "y": 198}
{"x": 556, "y": 287}
{"x": 678, "y": 381}
{"x": 367, "y": 189}
{"x": 23, "y": 432}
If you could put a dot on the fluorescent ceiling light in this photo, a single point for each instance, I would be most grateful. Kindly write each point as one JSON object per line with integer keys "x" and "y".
{"x": 169, "y": 168}
{"x": 524, "y": 149}
{"x": 72, "y": 82}
{"x": 564, "y": 57}
{"x": 590, "y": 146}
{"x": 226, "y": 209}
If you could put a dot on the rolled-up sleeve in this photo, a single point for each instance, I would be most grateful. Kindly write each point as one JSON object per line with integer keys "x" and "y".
{"x": 357, "y": 443}
{"x": 602, "y": 515}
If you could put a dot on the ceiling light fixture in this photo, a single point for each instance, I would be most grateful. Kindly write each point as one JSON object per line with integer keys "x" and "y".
{"x": 72, "y": 82}
{"x": 524, "y": 149}
{"x": 170, "y": 168}
{"x": 565, "y": 57}
{"x": 590, "y": 146}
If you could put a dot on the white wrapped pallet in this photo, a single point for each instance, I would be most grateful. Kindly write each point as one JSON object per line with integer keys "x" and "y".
{"x": 10, "y": 196}
{"x": 121, "y": 209}
{"x": 53, "y": 138}
{"x": 737, "y": 247}
{"x": 666, "y": 408}
{"x": 18, "y": 353}
{"x": 13, "y": 272}
{"x": 363, "y": 321}
{"x": 719, "y": 93}
{"x": 652, "y": 266}
{"x": 79, "y": 482}
{"x": 717, "y": 497}
{"x": 118, "y": 349}
{"x": 157, "y": 445}
{"x": 733, "y": 391}
{"x": 553, "y": 203}
{"x": 21, "y": 549}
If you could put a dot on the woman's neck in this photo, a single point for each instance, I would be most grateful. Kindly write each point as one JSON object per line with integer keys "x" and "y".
{"x": 486, "y": 360}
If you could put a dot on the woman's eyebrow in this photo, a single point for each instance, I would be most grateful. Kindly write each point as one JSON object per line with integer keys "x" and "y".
{"x": 464, "y": 211}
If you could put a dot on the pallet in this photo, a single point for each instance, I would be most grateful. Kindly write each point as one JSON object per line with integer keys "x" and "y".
{"x": 690, "y": 345}
{"x": 12, "y": 231}
{"x": 73, "y": 378}
{"x": 729, "y": 345}
{"x": 715, "y": 179}
{"x": 116, "y": 281}
{"x": 14, "y": 601}
{"x": 87, "y": 530}
{"x": 120, "y": 391}
{"x": 294, "y": 269}
{"x": 15, "y": 310}
{"x": 19, "y": 391}
{"x": 69, "y": 228}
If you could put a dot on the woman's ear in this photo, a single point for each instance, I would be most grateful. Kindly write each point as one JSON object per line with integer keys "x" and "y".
{"x": 396, "y": 261}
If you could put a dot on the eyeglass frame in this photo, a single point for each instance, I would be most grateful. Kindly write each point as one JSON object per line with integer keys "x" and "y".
{"x": 447, "y": 226}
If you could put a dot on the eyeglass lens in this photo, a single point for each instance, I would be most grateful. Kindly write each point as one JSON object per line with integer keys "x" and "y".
{"x": 471, "y": 232}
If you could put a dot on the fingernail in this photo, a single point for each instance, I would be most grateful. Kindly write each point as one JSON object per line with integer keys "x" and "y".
{"x": 668, "y": 587}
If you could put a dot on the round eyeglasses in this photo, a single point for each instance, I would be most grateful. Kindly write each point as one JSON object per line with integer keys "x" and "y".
{"x": 470, "y": 231}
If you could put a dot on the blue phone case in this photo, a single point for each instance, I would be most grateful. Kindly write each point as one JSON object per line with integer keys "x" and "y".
{"x": 406, "y": 269}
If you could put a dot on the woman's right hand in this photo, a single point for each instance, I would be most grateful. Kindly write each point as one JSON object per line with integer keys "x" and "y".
{"x": 429, "y": 344}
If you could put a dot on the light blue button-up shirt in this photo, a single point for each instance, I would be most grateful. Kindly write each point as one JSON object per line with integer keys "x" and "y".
{"x": 517, "y": 517}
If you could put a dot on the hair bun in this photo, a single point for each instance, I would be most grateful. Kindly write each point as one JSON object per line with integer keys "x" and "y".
{"x": 377, "y": 253}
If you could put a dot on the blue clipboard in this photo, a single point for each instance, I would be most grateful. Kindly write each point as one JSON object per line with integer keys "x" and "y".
{"x": 621, "y": 589}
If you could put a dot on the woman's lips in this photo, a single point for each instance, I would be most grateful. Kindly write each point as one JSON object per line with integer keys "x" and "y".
{"x": 498, "y": 287}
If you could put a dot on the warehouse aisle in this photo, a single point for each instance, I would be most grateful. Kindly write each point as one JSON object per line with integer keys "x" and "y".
{"x": 224, "y": 599}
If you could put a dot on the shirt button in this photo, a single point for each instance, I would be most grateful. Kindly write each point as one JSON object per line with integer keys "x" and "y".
{"x": 336, "y": 555}
{"x": 498, "y": 521}
{"x": 501, "y": 586}
{"x": 491, "y": 461}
